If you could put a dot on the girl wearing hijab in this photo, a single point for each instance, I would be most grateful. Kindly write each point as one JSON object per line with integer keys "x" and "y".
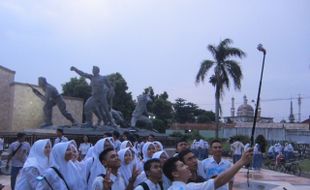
{"x": 93, "y": 166}
{"x": 163, "y": 157}
{"x": 148, "y": 150}
{"x": 36, "y": 163}
{"x": 63, "y": 175}
{"x": 127, "y": 164}
{"x": 158, "y": 146}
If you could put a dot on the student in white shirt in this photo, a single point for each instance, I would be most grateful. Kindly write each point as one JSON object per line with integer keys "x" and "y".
{"x": 60, "y": 136}
{"x": 93, "y": 166}
{"x": 112, "y": 179}
{"x": 179, "y": 174}
{"x": 84, "y": 147}
{"x": 153, "y": 171}
{"x": 37, "y": 162}
{"x": 63, "y": 174}
{"x": 116, "y": 141}
{"x": 148, "y": 150}
{"x": 216, "y": 165}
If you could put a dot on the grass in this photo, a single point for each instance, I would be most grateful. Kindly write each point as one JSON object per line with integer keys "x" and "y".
{"x": 305, "y": 165}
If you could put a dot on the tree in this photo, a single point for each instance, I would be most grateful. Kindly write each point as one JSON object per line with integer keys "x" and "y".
{"x": 122, "y": 100}
{"x": 77, "y": 87}
{"x": 224, "y": 69}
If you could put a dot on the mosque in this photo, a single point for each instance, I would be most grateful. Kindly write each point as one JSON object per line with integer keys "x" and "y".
{"x": 245, "y": 113}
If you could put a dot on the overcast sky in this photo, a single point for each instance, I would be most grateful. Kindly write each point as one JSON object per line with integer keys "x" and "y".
{"x": 161, "y": 43}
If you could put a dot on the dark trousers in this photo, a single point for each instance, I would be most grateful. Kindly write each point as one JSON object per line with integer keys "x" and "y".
{"x": 14, "y": 173}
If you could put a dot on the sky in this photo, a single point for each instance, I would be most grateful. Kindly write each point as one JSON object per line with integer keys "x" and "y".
{"x": 162, "y": 43}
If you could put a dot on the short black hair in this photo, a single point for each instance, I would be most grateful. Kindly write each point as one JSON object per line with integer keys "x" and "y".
{"x": 60, "y": 130}
{"x": 184, "y": 153}
{"x": 103, "y": 154}
{"x": 170, "y": 166}
{"x": 20, "y": 135}
{"x": 151, "y": 135}
{"x": 179, "y": 141}
{"x": 108, "y": 134}
{"x": 148, "y": 164}
{"x": 215, "y": 141}
{"x": 116, "y": 134}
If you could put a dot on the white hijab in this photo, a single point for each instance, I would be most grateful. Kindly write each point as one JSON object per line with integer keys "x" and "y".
{"x": 36, "y": 157}
{"x": 159, "y": 153}
{"x": 125, "y": 169}
{"x": 96, "y": 167}
{"x": 67, "y": 168}
{"x": 144, "y": 151}
{"x": 124, "y": 144}
{"x": 160, "y": 145}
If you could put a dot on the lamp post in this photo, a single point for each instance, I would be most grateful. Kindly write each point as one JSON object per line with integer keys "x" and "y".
{"x": 261, "y": 49}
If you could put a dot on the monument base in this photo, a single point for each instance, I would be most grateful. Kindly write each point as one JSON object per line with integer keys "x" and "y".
{"x": 99, "y": 130}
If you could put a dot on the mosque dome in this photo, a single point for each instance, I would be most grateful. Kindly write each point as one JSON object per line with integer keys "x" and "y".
{"x": 245, "y": 109}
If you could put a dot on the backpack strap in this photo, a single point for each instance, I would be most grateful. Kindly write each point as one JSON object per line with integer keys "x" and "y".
{"x": 61, "y": 176}
{"x": 48, "y": 182}
{"x": 145, "y": 186}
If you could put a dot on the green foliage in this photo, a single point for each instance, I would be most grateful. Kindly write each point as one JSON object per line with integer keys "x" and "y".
{"x": 188, "y": 136}
{"x": 206, "y": 117}
{"x": 225, "y": 70}
{"x": 188, "y": 112}
{"x": 77, "y": 87}
{"x": 242, "y": 138}
{"x": 261, "y": 140}
{"x": 122, "y": 100}
{"x": 159, "y": 125}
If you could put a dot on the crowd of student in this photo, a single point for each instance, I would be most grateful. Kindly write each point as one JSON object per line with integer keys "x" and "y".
{"x": 111, "y": 164}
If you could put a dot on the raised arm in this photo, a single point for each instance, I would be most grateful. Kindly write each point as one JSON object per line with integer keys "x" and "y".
{"x": 81, "y": 73}
{"x": 37, "y": 93}
{"x": 229, "y": 174}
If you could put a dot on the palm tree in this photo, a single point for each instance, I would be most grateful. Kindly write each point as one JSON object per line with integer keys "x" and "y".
{"x": 224, "y": 69}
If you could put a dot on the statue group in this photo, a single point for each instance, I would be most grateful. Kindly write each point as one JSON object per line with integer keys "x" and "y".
{"x": 99, "y": 103}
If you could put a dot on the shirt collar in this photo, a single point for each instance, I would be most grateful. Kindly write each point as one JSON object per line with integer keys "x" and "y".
{"x": 179, "y": 183}
{"x": 213, "y": 161}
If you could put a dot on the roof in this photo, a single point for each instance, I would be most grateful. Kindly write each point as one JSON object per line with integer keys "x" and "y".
{"x": 196, "y": 126}
{"x": 6, "y": 69}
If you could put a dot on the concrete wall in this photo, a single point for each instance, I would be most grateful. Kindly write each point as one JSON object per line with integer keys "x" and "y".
{"x": 6, "y": 78}
{"x": 299, "y": 133}
{"x": 28, "y": 109}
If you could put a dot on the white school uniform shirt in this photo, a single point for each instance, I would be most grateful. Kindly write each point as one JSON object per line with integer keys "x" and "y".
{"x": 62, "y": 139}
{"x": 20, "y": 156}
{"x": 93, "y": 166}
{"x": 68, "y": 169}
{"x": 212, "y": 168}
{"x": 84, "y": 148}
{"x": 178, "y": 185}
{"x": 36, "y": 163}
{"x": 118, "y": 183}
{"x": 150, "y": 184}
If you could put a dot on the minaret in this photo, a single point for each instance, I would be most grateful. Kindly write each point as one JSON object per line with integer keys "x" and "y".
{"x": 291, "y": 118}
{"x": 232, "y": 110}
{"x": 245, "y": 100}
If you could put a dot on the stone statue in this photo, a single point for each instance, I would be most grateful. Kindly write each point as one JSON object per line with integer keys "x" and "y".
{"x": 101, "y": 98}
{"x": 140, "y": 113}
{"x": 51, "y": 98}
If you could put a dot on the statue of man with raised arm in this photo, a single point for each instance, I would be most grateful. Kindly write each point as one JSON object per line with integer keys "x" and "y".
{"x": 101, "y": 97}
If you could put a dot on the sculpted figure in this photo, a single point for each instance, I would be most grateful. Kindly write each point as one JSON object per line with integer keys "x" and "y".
{"x": 100, "y": 101}
{"x": 140, "y": 113}
{"x": 50, "y": 99}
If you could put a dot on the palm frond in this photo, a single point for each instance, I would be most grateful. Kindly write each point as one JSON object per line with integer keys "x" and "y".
{"x": 204, "y": 68}
{"x": 213, "y": 50}
{"x": 235, "y": 72}
{"x": 231, "y": 52}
